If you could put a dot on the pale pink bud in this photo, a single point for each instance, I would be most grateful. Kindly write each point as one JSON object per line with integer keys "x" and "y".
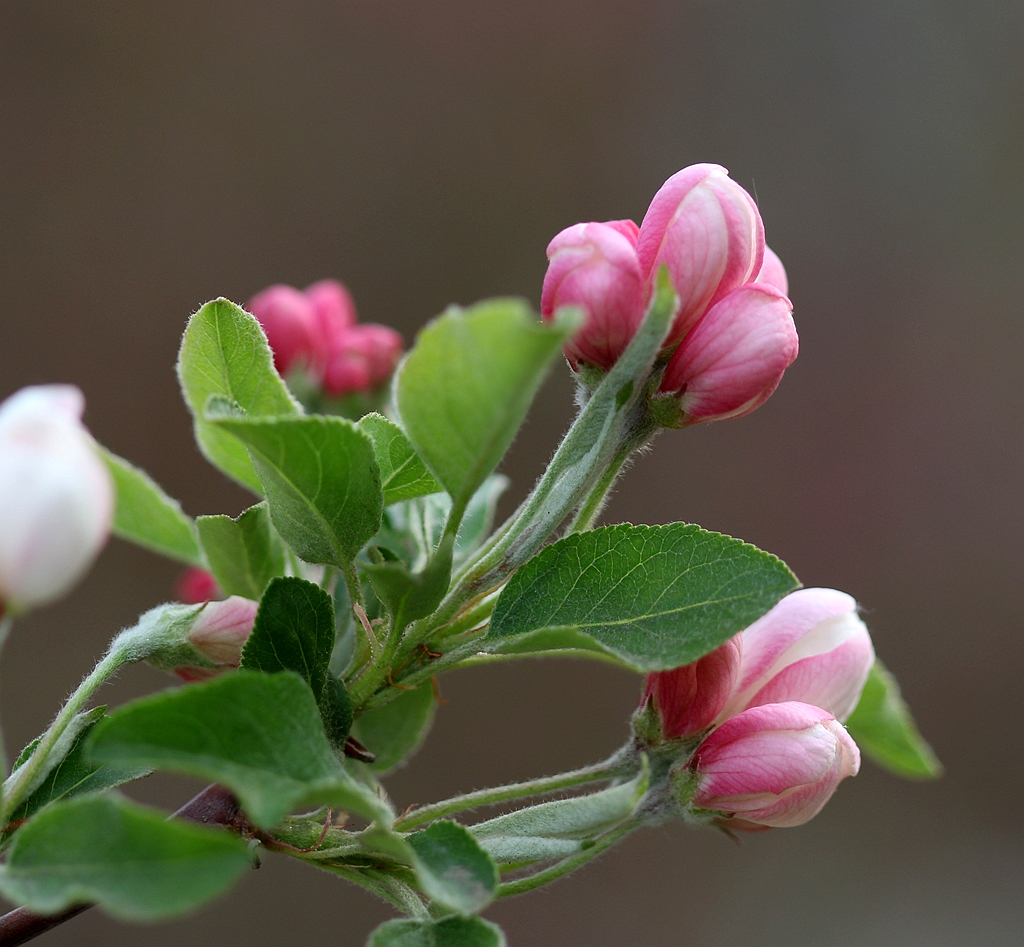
{"x": 734, "y": 358}
{"x": 56, "y": 496}
{"x": 773, "y": 272}
{"x": 219, "y": 633}
{"x": 594, "y": 266}
{"x": 289, "y": 320}
{"x": 811, "y": 647}
{"x": 774, "y": 765}
{"x": 195, "y": 586}
{"x": 706, "y": 229}
{"x": 362, "y": 358}
{"x": 689, "y": 698}
{"x": 335, "y": 314}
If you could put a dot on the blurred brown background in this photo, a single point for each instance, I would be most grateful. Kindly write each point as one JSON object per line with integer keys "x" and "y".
{"x": 155, "y": 155}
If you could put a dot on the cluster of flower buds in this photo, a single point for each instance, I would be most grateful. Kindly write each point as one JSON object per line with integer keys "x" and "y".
{"x": 56, "y": 496}
{"x": 768, "y": 707}
{"x": 315, "y": 330}
{"x": 733, "y": 335}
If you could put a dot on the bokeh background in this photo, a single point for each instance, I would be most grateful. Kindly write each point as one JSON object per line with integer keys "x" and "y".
{"x": 156, "y": 155}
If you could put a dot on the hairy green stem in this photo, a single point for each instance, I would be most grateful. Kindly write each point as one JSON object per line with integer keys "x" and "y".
{"x": 567, "y": 865}
{"x": 6, "y": 623}
{"x": 397, "y": 893}
{"x": 22, "y": 779}
{"x": 615, "y": 765}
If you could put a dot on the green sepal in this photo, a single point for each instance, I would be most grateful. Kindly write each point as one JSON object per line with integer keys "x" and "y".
{"x": 294, "y": 631}
{"x": 244, "y": 553}
{"x": 145, "y": 515}
{"x": 225, "y": 353}
{"x": 884, "y": 729}
{"x": 129, "y": 859}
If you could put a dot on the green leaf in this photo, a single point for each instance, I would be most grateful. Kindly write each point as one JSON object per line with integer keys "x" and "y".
{"x": 656, "y": 596}
{"x": 129, "y": 859}
{"x": 403, "y": 475}
{"x": 244, "y": 553}
{"x": 465, "y": 388}
{"x": 294, "y": 631}
{"x": 520, "y": 850}
{"x": 580, "y": 817}
{"x": 260, "y": 735}
{"x": 452, "y": 868}
{"x": 320, "y": 477}
{"x": 395, "y": 730}
{"x": 224, "y": 352}
{"x": 411, "y": 595}
{"x": 75, "y": 773}
{"x": 884, "y": 729}
{"x": 448, "y": 932}
{"x": 147, "y": 516}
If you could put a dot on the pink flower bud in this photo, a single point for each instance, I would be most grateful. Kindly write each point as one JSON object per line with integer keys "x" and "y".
{"x": 811, "y": 647}
{"x": 689, "y": 698}
{"x": 774, "y": 765}
{"x": 289, "y": 319}
{"x": 195, "y": 586}
{"x": 734, "y": 358}
{"x": 218, "y": 634}
{"x": 362, "y": 358}
{"x": 56, "y": 496}
{"x": 335, "y": 314}
{"x": 594, "y": 266}
{"x": 706, "y": 229}
{"x": 773, "y": 272}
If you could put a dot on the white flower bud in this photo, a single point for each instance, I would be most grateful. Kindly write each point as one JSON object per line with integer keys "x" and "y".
{"x": 56, "y": 496}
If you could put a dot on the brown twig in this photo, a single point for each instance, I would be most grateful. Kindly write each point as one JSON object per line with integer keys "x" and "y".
{"x": 215, "y": 805}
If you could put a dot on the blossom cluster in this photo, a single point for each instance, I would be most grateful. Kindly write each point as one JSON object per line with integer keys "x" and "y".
{"x": 768, "y": 707}
{"x": 316, "y": 330}
{"x": 733, "y": 335}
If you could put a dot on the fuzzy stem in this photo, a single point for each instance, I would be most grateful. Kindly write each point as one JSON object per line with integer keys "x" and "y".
{"x": 567, "y": 865}
{"x": 614, "y": 766}
{"x": 116, "y": 657}
{"x": 397, "y": 893}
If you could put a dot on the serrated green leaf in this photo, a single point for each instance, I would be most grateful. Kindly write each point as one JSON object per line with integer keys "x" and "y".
{"x": 656, "y": 596}
{"x": 129, "y": 859}
{"x": 320, "y": 477}
{"x": 884, "y": 729}
{"x": 258, "y": 734}
{"x": 75, "y": 774}
{"x": 147, "y": 516}
{"x": 448, "y": 932}
{"x": 403, "y": 475}
{"x": 452, "y": 868}
{"x": 466, "y": 386}
{"x": 395, "y": 730}
{"x": 580, "y": 817}
{"x": 245, "y": 553}
{"x": 294, "y": 631}
{"x": 224, "y": 352}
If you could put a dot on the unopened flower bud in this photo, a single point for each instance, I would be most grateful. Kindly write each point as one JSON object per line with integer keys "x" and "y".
{"x": 362, "y": 358}
{"x": 595, "y": 266}
{"x": 734, "y": 358}
{"x": 773, "y": 272}
{"x": 217, "y": 637}
{"x": 689, "y": 698}
{"x": 195, "y": 586}
{"x": 56, "y": 496}
{"x": 706, "y": 229}
{"x": 289, "y": 320}
{"x": 335, "y": 314}
{"x": 811, "y": 647}
{"x": 774, "y": 765}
